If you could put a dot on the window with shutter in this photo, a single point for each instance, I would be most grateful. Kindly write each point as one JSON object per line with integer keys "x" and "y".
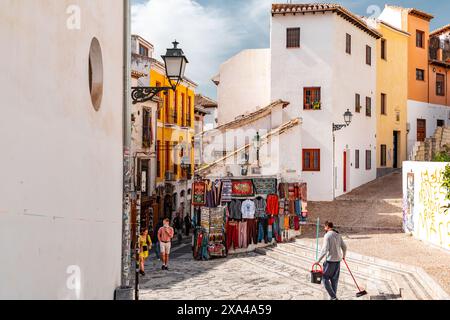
{"x": 357, "y": 103}
{"x": 293, "y": 38}
{"x": 356, "y": 159}
{"x": 311, "y": 160}
{"x": 420, "y": 36}
{"x": 368, "y": 107}
{"x": 440, "y": 84}
{"x": 368, "y": 55}
{"x": 348, "y": 44}
{"x": 368, "y": 160}
{"x": 312, "y": 98}
{"x": 383, "y": 104}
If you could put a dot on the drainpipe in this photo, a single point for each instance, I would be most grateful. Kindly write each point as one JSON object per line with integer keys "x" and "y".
{"x": 125, "y": 292}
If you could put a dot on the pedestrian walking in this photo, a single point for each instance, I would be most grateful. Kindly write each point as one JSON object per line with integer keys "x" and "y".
{"x": 165, "y": 235}
{"x": 145, "y": 245}
{"x": 187, "y": 224}
{"x": 335, "y": 250}
{"x": 155, "y": 239}
{"x": 178, "y": 225}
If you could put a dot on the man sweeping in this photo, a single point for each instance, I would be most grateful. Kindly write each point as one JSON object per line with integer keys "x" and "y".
{"x": 335, "y": 249}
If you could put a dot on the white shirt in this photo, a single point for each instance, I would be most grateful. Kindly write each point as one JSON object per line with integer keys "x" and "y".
{"x": 248, "y": 209}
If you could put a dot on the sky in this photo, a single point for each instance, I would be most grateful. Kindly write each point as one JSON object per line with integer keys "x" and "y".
{"x": 212, "y": 31}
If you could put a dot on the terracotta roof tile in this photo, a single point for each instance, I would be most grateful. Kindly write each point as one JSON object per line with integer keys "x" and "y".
{"x": 441, "y": 30}
{"x": 325, "y": 7}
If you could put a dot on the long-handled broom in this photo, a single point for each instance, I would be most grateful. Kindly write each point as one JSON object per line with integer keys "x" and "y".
{"x": 360, "y": 292}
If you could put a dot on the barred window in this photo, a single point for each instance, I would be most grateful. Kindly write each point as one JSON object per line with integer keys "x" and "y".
{"x": 293, "y": 38}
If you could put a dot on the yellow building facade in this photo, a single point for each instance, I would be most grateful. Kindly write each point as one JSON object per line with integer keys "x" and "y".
{"x": 175, "y": 129}
{"x": 392, "y": 97}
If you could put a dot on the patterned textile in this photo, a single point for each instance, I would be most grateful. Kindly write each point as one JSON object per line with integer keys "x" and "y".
{"x": 227, "y": 190}
{"x": 265, "y": 186}
{"x": 242, "y": 188}
{"x": 234, "y": 208}
{"x": 199, "y": 195}
{"x": 303, "y": 192}
{"x": 204, "y": 218}
{"x": 260, "y": 204}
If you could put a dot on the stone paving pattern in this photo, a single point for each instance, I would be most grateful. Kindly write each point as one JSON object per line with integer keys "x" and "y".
{"x": 241, "y": 277}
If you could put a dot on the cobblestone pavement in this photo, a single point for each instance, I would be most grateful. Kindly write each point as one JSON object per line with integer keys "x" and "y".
{"x": 242, "y": 277}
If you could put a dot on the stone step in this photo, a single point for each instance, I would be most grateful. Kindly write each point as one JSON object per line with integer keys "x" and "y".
{"x": 272, "y": 263}
{"x": 369, "y": 266}
{"x": 373, "y": 286}
{"x": 417, "y": 278}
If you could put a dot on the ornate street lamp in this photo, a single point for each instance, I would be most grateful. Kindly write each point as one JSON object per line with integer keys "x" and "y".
{"x": 175, "y": 63}
{"x": 257, "y": 145}
{"x": 348, "y": 116}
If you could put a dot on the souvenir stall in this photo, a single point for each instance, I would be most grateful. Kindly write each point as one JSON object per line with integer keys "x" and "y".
{"x": 208, "y": 240}
{"x": 255, "y": 212}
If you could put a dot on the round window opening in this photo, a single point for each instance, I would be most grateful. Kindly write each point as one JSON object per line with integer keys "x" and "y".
{"x": 96, "y": 74}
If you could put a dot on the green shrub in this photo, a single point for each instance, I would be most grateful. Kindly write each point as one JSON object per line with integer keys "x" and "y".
{"x": 441, "y": 157}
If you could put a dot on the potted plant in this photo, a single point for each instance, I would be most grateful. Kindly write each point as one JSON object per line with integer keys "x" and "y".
{"x": 317, "y": 105}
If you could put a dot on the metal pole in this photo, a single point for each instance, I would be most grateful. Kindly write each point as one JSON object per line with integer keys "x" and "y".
{"x": 124, "y": 291}
{"x": 317, "y": 238}
{"x": 334, "y": 160}
{"x": 137, "y": 244}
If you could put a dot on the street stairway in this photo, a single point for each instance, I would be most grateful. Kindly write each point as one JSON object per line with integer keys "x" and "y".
{"x": 383, "y": 280}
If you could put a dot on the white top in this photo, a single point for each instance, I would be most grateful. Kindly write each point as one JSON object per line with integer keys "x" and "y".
{"x": 248, "y": 209}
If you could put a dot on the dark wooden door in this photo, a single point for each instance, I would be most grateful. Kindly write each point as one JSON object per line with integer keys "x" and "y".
{"x": 395, "y": 162}
{"x": 421, "y": 129}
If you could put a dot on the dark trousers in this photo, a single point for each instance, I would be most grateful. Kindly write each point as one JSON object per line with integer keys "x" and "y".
{"x": 331, "y": 274}
{"x": 232, "y": 235}
{"x": 262, "y": 230}
{"x": 252, "y": 232}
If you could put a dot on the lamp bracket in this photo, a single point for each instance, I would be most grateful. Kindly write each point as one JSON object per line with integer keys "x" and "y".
{"x": 337, "y": 127}
{"x": 143, "y": 94}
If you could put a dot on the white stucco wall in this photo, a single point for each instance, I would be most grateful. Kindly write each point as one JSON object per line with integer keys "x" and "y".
{"x": 273, "y": 159}
{"x": 210, "y": 120}
{"x": 61, "y": 167}
{"x": 424, "y": 213}
{"x": 428, "y": 111}
{"x": 392, "y": 16}
{"x": 244, "y": 84}
{"x": 361, "y": 134}
{"x": 321, "y": 61}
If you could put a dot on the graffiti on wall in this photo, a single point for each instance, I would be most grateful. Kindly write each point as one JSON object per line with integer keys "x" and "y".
{"x": 408, "y": 204}
{"x": 433, "y": 223}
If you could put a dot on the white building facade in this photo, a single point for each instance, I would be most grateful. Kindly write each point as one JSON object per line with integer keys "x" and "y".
{"x": 62, "y": 83}
{"x": 309, "y": 63}
{"x": 316, "y": 64}
{"x": 144, "y": 130}
{"x": 242, "y": 83}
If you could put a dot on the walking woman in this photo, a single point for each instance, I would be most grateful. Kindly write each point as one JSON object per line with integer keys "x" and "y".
{"x": 145, "y": 245}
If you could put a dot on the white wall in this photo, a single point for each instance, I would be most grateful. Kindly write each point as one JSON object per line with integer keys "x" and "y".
{"x": 321, "y": 61}
{"x": 244, "y": 84}
{"x": 61, "y": 167}
{"x": 428, "y": 111}
{"x": 274, "y": 159}
{"x": 362, "y": 79}
{"x": 210, "y": 120}
{"x": 426, "y": 217}
{"x": 393, "y": 17}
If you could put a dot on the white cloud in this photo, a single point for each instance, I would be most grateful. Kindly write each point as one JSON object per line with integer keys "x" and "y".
{"x": 205, "y": 34}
